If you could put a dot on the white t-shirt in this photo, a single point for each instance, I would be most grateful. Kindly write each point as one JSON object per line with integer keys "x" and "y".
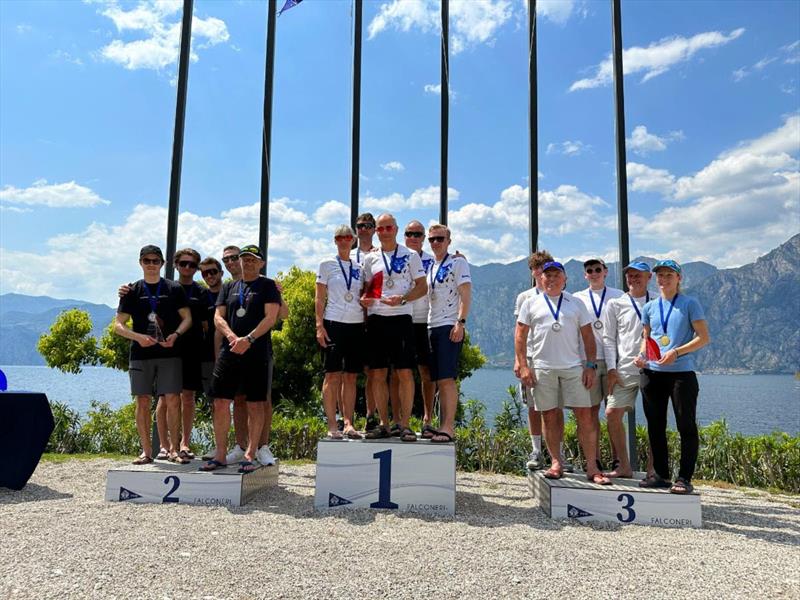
{"x": 622, "y": 336}
{"x": 358, "y": 254}
{"x": 444, "y": 280}
{"x": 338, "y": 308}
{"x": 420, "y": 306}
{"x": 586, "y": 296}
{"x": 521, "y": 298}
{"x": 555, "y": 349}
{"x": 405, "y": 267}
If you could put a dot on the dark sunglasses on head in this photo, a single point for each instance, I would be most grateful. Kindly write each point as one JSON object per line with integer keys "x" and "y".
{"x": 230, "y": 258}
{"x": 187, "y": 264}
{"x": 436, "y": 238}
{"x": 151, "y": 261}
{"x": 383, "y": 228}
{"x": 209, "y": 272}
{"x": 595, "y": 270}
{"x": 415, "y": 234}
{"x": 365, "y": 226}
{"x": 338, "y": 238}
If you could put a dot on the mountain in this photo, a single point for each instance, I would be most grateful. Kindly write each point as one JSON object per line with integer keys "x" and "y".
{"x": 24, "y": 318}
{"x": 751, "y": 310}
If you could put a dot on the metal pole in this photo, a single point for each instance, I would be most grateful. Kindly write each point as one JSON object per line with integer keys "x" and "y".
{"x": 533, "y": 130}
{"x": 356, "y": 139}
{"x": 266, "y": 136}
{"x": 445, "y": 110}
{"x": 177, "y": 139}
{"x": 622, "y": 187}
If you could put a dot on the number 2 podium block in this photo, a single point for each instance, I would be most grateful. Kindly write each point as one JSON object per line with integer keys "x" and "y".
{"x": 416, "y": 477}
{"x": 165, "y": 483}
{"x": 574, "y": 497}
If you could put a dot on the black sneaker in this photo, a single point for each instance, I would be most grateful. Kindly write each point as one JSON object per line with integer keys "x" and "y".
{"x": 371, "y": 424}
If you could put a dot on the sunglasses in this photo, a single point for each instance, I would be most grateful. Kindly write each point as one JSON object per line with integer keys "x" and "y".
{"x": 209, "y": 272}
{"x": 415, "y": 234}
{"x": 187, "y": 264}
{"x": 365, "y": 226}
{"x": 151, "y": 261}
{"x": 339, "y": 238}
{"x": 230, "y": 258}
{"x": 437, "y": 238}
{"x": 386, "y": 228}
{"x": 595, "y": 270}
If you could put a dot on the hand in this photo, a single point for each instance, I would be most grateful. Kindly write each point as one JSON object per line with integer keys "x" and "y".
{"x": 588, "y": 377}
{"x": 393, "y": 300}
{"x": 527, "y": 376}
{"x": 322, "y": 336}
{"x": 517, "y": 370}
{"x": 279, "y": 286}
{"x": 145, "y": 340}
{"x": 240, "y": 345}
{"x": 458, "y": 254}
{"x": 457, "y": 332}
{"x": 668, "y": 357}
{"x": 123, "y": 290}
{"x": 611, "y": 380}
{"x": 366, "y": 302}
{"x": 639, "y": 362}
{"x": 170, "y": 341}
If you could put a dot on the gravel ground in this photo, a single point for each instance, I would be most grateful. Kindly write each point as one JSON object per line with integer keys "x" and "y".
{"x": 60, "y": 539}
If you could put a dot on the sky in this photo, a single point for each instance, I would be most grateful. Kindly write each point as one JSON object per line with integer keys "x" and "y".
{"x": 87, "y": 108}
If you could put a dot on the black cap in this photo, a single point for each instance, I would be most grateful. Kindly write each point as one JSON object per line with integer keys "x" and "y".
{"x": 151, "y": 249}
{"x": 252, "y": 249}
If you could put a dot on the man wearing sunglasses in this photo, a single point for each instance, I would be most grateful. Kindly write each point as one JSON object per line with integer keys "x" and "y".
{"x": 596, "y": 298}
{"x": 365, "y": 230}
{"x": 394, "y": 277}
{"x": 211, "y": 272}
{"x": 160, "y": 315}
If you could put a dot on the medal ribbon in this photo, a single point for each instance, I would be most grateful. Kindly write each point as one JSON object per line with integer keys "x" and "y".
{"x": 385, "y": 264}
{"x": 347, "y": 282}
{"x": 598, "y": 310}
{"x": 550, "y": 306}
{"x": 433, "y": 277}
{"x": 636, "y": 308}
{"x": 153, "y": 299}
{"x": 241, "y": 293}
{"x": 665, "y": 322}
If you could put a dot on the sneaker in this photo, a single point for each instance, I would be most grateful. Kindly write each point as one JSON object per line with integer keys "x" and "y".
{"x": 371, "y": 424}
{"x": 264, "y": 456}
{"x": 210, "y": 454}
{"x": 534, "y": 461}
{"x": 340, "y": 424}
{"x": 567, "y": 466}
{"x": 235, "y": 455}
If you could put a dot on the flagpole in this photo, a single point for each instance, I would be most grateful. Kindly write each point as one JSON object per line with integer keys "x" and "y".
{"x": 445, "y": 110}
{"x": 533, "y": 130}
{"x": 356, "y": 132}
{"x": 266, "y": 135}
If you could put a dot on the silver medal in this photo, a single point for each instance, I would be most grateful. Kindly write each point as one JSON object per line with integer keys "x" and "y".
{"x": 556, "y": 326}
{"x": 151, "y": 317}
{"x": 598, "y": 325}
{"x": 240, "y": 312}
{"x": 348, "y": 296}
{"x": 390, "y": 283}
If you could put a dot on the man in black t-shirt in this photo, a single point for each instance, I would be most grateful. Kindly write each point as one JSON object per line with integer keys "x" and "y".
{"x": 246, "y": 311}
{"x": 211, "y": 271}
{"x": 160, "y": 315}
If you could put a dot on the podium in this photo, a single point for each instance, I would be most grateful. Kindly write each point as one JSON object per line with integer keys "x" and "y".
{"x": 163, "y": 482}
{"x": 411, "y": 477}
{"x": 574, "y": 497}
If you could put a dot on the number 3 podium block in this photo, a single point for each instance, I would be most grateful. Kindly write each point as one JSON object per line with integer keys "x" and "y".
{"x": 165, "y": 483}
{"x": 624, "y": 502}
{"x": 416, "y": 477}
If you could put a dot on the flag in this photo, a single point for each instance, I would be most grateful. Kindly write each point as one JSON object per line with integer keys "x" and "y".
{"x": 289, "y": 4}
{"x": 653, "y": 352}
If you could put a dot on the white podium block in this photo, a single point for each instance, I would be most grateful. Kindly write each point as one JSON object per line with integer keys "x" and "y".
{"x": 624, "y": 502}
{"x": 166, "y": 482}
{"x": 415, "y": 477}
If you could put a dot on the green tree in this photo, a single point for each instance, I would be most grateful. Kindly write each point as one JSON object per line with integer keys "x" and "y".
{"x": 68, "y": 345}
{"x": 114, "y": 349}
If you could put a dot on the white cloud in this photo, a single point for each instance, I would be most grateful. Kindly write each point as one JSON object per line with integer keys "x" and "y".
{"x": 64, "y": 56}
{"x": 657, "y": 58}
{"x": 431, "y": 88}
{"x": 557, "y": 11}
{"x": 53, "y": 195}
{"x": 569, "y": 148}
{"x": 642, "y": 178}
{"x": 472, "y": 22}
{"x": 23, "y": 28}
{"x": 793, "y": 52}
{"x": 420, "y": 198}
{"x": 160, "y": 22}
{"x": 643, "y": 142}
{"x": 743, "y": 72}
{"x": 393, "y": 165}
{"x": 332, "y": 213}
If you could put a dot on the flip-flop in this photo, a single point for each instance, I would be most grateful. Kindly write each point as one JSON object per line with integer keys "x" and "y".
{"x": 407, "y": 435}
{"x": 428, "y": 432}
{"x": 594, "y": 479}
{"x": 212, "y": 465}
{"x": 352, "y": 434}
{"x": 443, "y": 434}
{"x": 247, "y": 466}
{"x": 552, "y": 473}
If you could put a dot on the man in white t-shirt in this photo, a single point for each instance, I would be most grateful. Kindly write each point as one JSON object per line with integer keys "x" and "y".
{"x": 558, "y": 323}
{"x": 596, "y": 298}
{"x": 394, "y": 277}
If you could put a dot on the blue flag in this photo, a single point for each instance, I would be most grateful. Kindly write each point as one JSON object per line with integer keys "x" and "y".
{"x": 289, "y": 4}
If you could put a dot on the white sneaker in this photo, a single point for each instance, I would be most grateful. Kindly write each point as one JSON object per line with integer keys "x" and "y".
{"x": 210, "y": 454}
{"x": 534, "y": 461}
{"x": 235, "y": 455}
{"x": 264, "y": 456}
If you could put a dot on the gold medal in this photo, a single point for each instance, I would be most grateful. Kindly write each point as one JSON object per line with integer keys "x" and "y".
{"x": 664, "y": 340}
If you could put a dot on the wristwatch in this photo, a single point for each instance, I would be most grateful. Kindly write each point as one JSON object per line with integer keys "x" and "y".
{"x": 462, "y": 321}
{"x": 249, "y": 337}
{"x": 403, "y": 301}
{"x": 590, "y": 365}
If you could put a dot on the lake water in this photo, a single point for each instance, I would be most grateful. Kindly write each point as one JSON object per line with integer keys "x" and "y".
{"x": 751, "y": 404}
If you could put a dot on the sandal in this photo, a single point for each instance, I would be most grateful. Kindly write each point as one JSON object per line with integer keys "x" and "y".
{"x": 552, "y": 473}
{"x": 407, "y": 435}
{"x": 681, "y": 486}
{"x": 143, "y": 460}
{"x": 437, "y": 436}
{"x": 654, "y": 481}
{"x": 598, "y": 479}
{"x": 212, "y": 465}
{"x": 335, "y": 435}
{"x": 352, "y": 434}
{"x": 428, "y": 432}
{"x": 395, "y": 431}
{"x": 179, "y": 460}
{"x": 377, "y": 433}
{"x": 163, "y": 454}
{"x": 186, "y": 455}
{"x": 247, "y": 466}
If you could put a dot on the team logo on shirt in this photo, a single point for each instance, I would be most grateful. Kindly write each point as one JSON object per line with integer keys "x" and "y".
{"x": 443, "y": 272}
{"x": 399, "y": 263}
{"x": 426, "y": 264}
{"x": 355, "y": 273}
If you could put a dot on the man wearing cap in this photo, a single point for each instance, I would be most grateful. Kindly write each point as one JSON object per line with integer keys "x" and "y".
{"x": 595, "y": 298}
{"x": 558, "y": 322}
{"x": 622, "y": 338}
{"x": 394, "y": 277}
{"x": 160, "y": 315}
{"x": 246, "y": 311}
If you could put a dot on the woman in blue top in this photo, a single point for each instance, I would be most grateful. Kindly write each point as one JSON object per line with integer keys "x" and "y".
{"x": 678, "y": 325}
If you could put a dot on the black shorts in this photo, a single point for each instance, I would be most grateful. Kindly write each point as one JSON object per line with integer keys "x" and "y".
{"x": 345, "y": 351}
{"x": 422, "y": 344}
{"x": 192, "y": 372}
{"x": 246, "y": 374}
{"x": 390, "y": 342}
{"x": 444, "y": 353}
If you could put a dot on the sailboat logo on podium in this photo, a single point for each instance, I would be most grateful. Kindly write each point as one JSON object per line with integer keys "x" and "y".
{"x": 334, "y": 500}
{"x": 126, "y": 494}
{"x": 573, "y": 512}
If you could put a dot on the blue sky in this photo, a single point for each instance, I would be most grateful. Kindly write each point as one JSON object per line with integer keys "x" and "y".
{"x": 87, "y": 102}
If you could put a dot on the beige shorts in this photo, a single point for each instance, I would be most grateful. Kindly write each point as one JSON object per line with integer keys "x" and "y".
{"x": 623, "y": 397}
{"x": 599, "y": 390}
{"x": 560, "y": 388}
{"x": 527, "y": 394}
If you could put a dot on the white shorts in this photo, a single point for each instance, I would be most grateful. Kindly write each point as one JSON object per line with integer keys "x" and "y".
{"x": 560, "y": 388}
{"x": 599, "y": 389}
{"x": 623, "y": 397}
{"x": 526, "y": 394}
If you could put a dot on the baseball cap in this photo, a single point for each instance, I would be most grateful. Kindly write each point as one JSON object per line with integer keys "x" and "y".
{"x": 667, "y": 264}
{"x": 151, "y": 249}
{"x": 253, "y": 250}
{"x": 637, "y": 265}
{"x": 553, "y": 265}
{"x": 592, "y": 261}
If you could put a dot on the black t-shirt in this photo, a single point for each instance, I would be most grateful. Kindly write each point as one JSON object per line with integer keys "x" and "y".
{"x": 254, "y": 295}
{"x": 191, "y": 342}
{"x": 208, "y": 342}
{"x": 137, "y": 303}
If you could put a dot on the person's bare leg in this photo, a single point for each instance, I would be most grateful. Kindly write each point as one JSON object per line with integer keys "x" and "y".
{"x": 406, "y": 387}
{"x": 240, "y": 428}
{"x": 380, "y": 392}
{"x": 616, "y": 433}
{"x": 534, "y": 421}
{"x": 222, "y": 425}
{"x": 143, "y": 423}
{"x": 587, "y": 436}
{"x": 448, "y": 398}
{"x": 553, "y": 433}
{"x": 255, "y": 422}
{"x": 370, "y": 400}
{"x": 267, "y": 428}
{"x": 428, "y": 393}
{"x": 596, "y": 425}
{"x": 394, "y": 397}
{"x": 331, "y": 390}
{"x": 161, "y": 423}
{"x": 187, "y": 418}
{"x": 173, "y": 402}
{"x": 348, "y": 399}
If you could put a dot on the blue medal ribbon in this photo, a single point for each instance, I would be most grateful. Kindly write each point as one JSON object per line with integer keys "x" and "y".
{"x": 394, "y": 256}
{"x": 665, "y": 322}
{"x": 597, "y": 310}
{"x": 555, "y": 312}
{"x": 347, "y": 282}
{"x": 241, "y": 293}
{"x": 635, "y": 307}
{"x": 433, "y": 277}
{"x": 153, "y": 299}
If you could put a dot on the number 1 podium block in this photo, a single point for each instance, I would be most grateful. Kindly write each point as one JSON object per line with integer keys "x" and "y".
{"x": 415, "y": 477}
{"x": 166, "y": 482}
{"x": 624, "y": 502}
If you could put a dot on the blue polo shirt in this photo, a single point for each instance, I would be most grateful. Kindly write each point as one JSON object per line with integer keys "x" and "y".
{"x": 679, "y": 329}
